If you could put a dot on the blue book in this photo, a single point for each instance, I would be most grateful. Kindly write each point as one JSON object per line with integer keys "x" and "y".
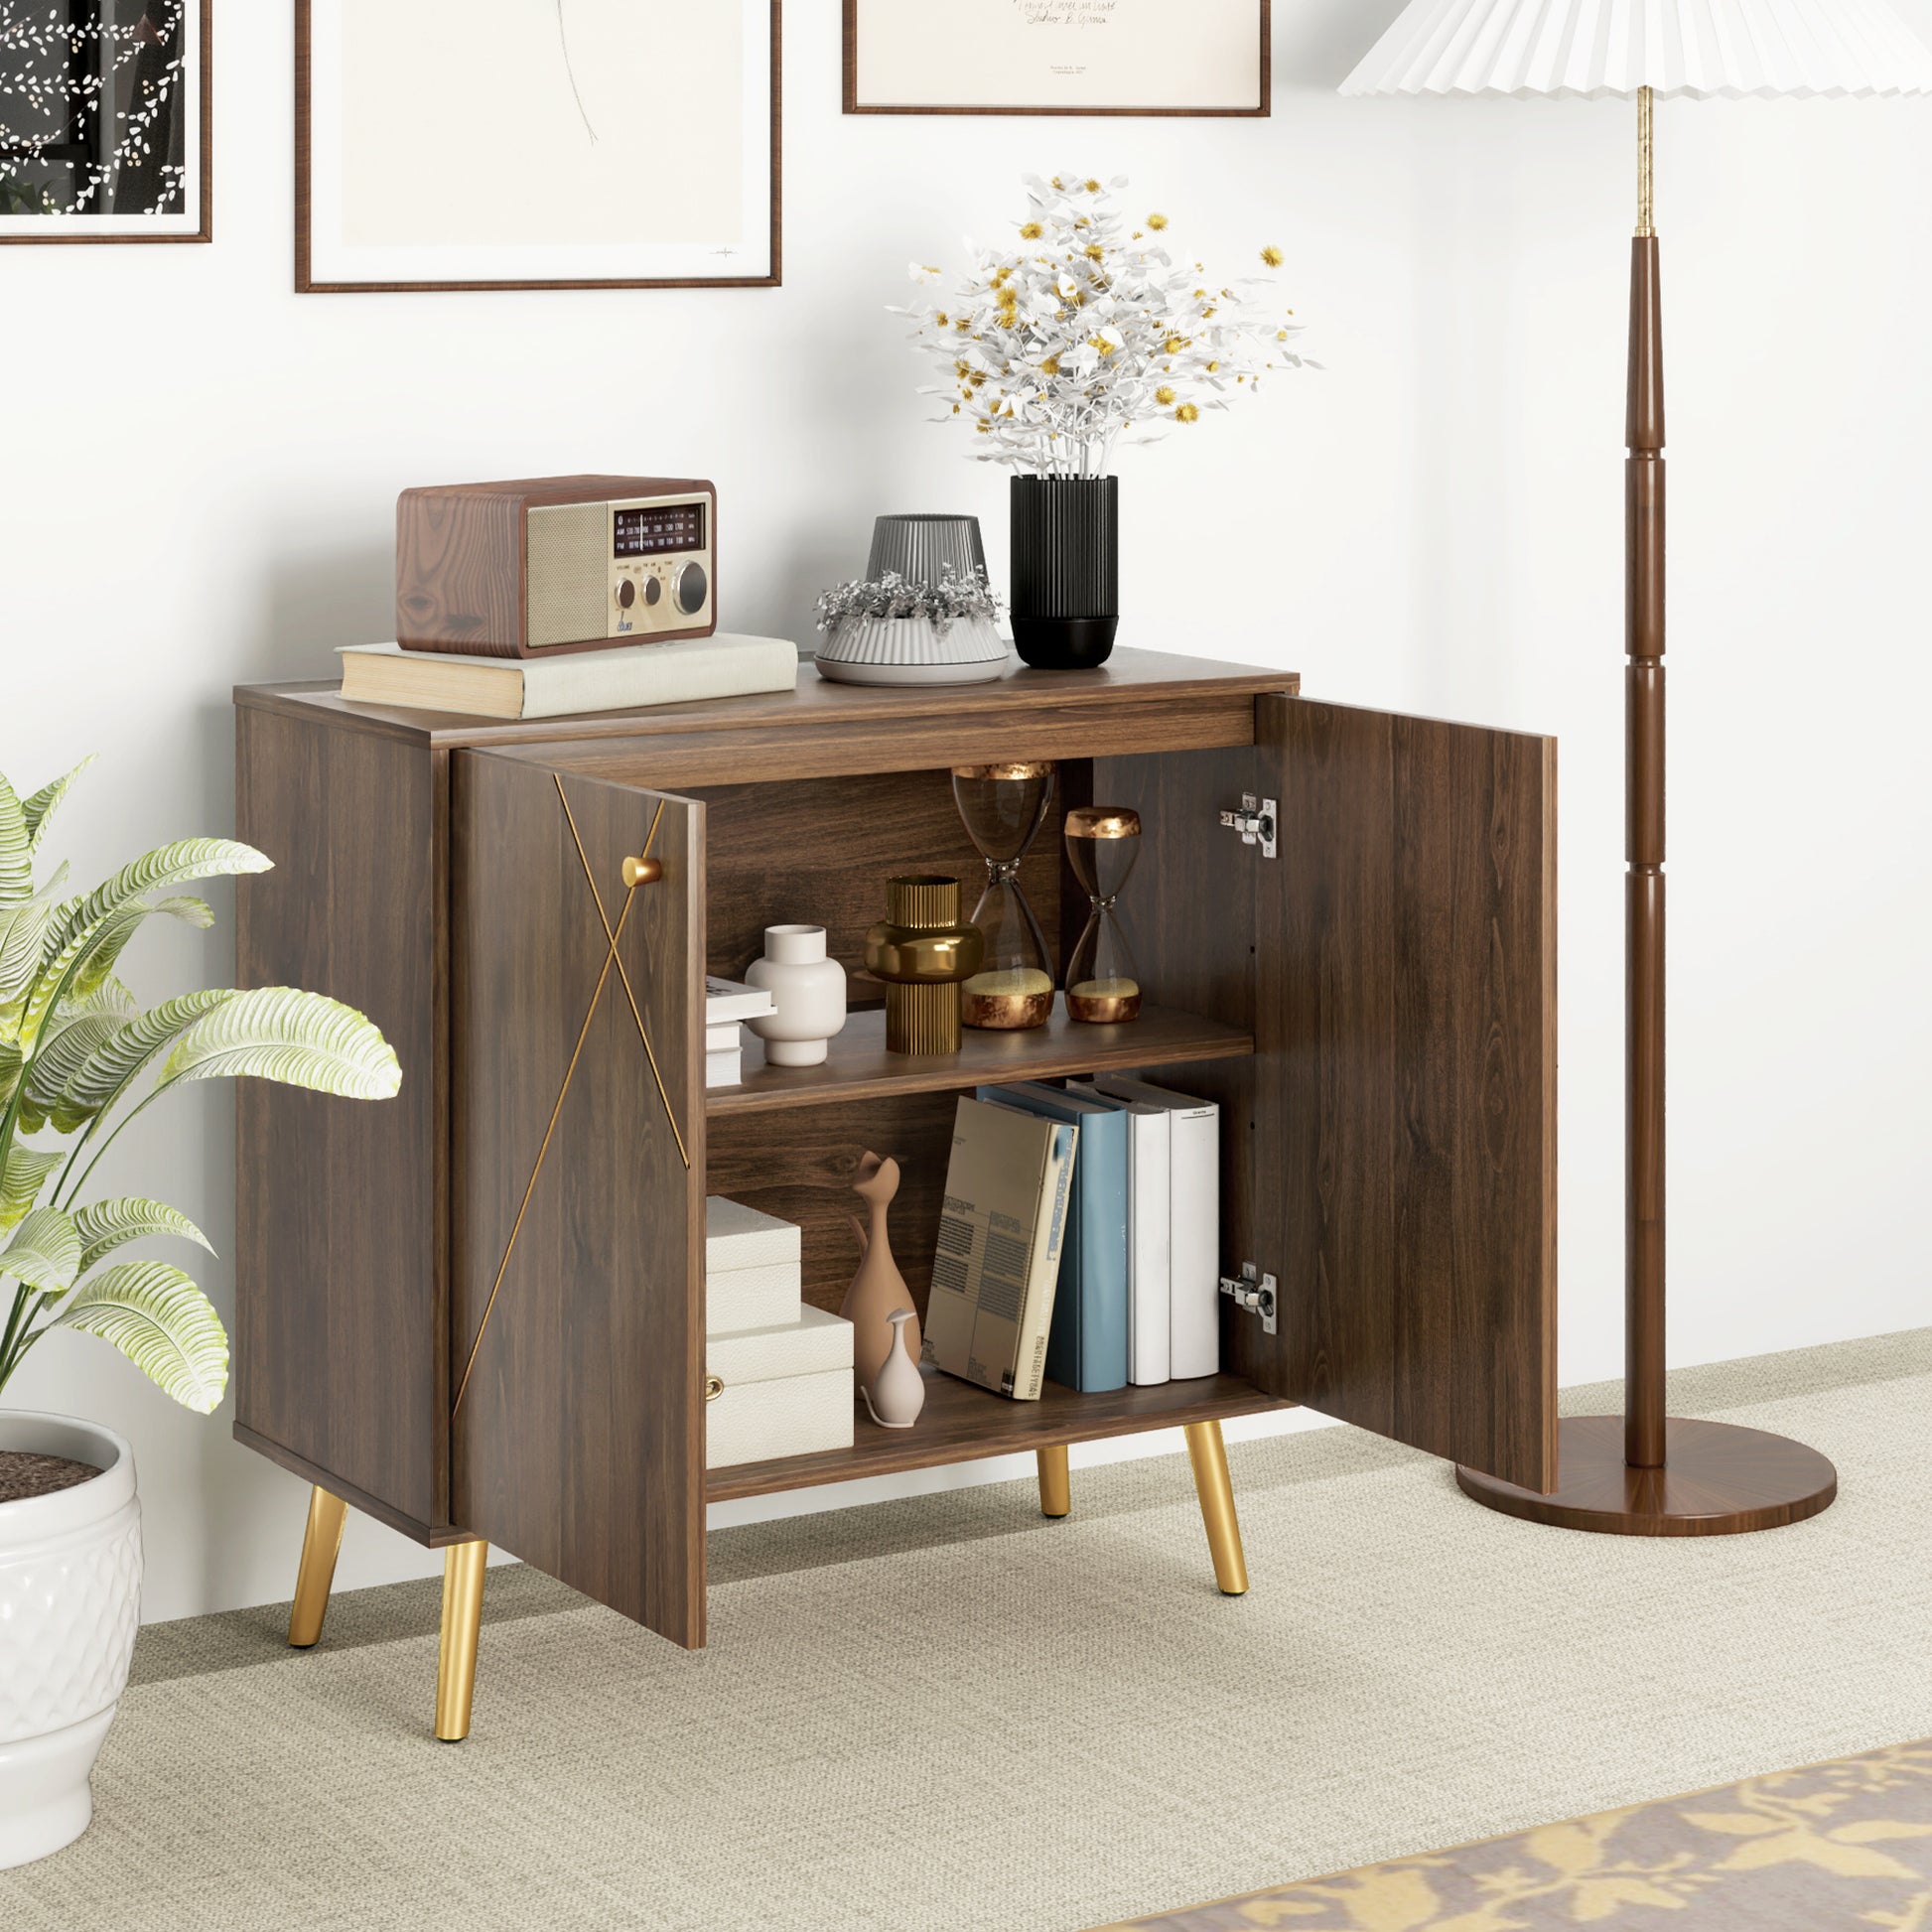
{"x": 1087, "y": 1350}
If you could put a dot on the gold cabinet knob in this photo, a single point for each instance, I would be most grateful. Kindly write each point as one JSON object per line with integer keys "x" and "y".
{"x": 643, "y": 872}
{"x": 714, "y": 1387}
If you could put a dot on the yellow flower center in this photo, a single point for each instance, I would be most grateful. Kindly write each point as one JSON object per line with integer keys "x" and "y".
{"x": 1031, "y": 231}
{"x": 1187, "y": 413}
{"x": 1163, "y": 395}
{"x": 1272, "y": 255}
{"x": 1156, "y": 223}
{"x": 1052, "y": 365}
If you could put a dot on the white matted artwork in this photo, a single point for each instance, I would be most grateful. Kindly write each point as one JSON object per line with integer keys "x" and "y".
{"x": 537, "y": 144}
{"x": 1058, "y": 57}
{"x": 104, "y": 121}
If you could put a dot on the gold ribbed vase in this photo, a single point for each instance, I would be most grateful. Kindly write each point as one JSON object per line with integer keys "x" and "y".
{"x": 922, "y": 950}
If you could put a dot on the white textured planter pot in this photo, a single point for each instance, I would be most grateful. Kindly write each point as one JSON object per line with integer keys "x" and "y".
{"x": 70, "y": 1601}
{"x": 913, "y": 650}
{"x": 806, "y": 988}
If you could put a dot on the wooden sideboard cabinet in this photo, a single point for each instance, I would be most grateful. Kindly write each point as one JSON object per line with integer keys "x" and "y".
{"x": 475, "y": 1312}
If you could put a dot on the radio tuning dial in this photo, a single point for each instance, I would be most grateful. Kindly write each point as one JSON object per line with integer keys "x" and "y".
{"x": 627, "y": 594}
{"x": 653, "y": 590}
{"x": 690, "y": 587}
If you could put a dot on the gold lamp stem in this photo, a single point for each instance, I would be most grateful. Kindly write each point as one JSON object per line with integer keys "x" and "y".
{"x": 1647, "y": 225}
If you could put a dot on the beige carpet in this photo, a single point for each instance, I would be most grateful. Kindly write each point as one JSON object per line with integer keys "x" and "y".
{"x": 952, "y": 1713}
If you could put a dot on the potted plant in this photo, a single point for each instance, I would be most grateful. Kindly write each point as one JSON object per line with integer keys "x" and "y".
{"x": 891, "y": 631}
{"x": 78, "y": 1059}
{"x": 1055, "y": 347}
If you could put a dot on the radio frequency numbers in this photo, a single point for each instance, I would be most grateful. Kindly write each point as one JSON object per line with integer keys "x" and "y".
{"x": 657, "y": 533}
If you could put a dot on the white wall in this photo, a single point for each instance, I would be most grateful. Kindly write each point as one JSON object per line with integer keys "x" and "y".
{"x": 198, "y": 472}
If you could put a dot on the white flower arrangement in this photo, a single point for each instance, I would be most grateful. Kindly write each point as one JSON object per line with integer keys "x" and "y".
{"x": 943, "y": 604}
{"x": 1088, "y": 330}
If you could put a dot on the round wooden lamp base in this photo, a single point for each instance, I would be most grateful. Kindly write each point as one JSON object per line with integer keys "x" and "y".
{"x": 1717, "y": 1481}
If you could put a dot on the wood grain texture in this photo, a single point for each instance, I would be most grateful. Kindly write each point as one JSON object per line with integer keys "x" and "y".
{"x": 1142, "y": 701}
{"x": 305, "y": 284}
{"x": 1263, "y": 108}
{"x": 205, "y": 136}
{"x": 1406, "y": 1120}
{"x": 578, "y": 1445}
{"x": 1189, "y": 909}
{"x": 858, "y": 1067}
{"x": 820, "y": 852}
{"x": 962, "y": 1424}
{"x": 341, "y": 1263}
{"x": 1716, "y": 1479}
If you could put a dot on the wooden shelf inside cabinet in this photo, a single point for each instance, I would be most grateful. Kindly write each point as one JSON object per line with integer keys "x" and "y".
{"x": 964, "y": 1423}
{"x": 858, "y": 1066}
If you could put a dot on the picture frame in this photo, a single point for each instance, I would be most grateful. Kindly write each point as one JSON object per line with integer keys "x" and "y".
{"x": 380, "y": 101}
{"x": 1060, "y": 56}
{"x": 151, "y": 77}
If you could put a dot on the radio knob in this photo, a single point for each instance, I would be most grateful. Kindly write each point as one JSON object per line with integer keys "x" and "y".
{"x": 691, "y": 589}
{"x": 653, "y": 590}
{"x": 627, "y": 594}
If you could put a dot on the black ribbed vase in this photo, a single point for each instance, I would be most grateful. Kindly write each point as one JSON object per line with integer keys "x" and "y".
{"x": 1065, "y": 570}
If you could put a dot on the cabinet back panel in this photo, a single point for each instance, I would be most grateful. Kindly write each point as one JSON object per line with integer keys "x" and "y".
{"x": 818, "y": 852}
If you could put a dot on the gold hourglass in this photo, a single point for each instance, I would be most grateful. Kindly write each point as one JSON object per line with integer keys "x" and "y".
{"x": 1003, "y": 807}
{"x": 1102, "y": 844}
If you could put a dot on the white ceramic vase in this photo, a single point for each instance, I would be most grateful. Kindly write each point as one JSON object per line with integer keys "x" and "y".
{"x": 897, "y": 1394}
{"x": 913, "y": 650}
{"x": 69, "y": 1602}
{"x": 806, "y": 988}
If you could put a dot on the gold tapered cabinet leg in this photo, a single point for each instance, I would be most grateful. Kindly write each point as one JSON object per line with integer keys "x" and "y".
{"x": 1055, "y": 1485}
{"x": 456, "y": 1661}
{"x": 321, "y": 1542}
{"x": 1208, "y": 1453}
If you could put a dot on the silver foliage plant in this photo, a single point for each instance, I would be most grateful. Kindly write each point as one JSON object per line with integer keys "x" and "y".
{"x": 943, "y": 603}
{"x": 74, "y": 1049}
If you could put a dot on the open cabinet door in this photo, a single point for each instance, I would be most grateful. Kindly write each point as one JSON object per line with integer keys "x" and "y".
{"x": 1405, "y": 1178}
{"x": 577, "y": 1111}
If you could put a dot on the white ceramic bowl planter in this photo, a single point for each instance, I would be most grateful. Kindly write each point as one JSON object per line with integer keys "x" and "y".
{"x": 806, "y": 988}
{"x": 69, "y": 1600}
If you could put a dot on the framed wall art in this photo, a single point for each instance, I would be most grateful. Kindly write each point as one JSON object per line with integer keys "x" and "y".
{"x": 1058, "y": 57}
{"x": 105, "y": 133}
{"x": 523, "y": 144}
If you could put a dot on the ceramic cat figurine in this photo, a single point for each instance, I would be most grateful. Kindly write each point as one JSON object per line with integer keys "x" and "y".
{"x": 878, "y": 1288}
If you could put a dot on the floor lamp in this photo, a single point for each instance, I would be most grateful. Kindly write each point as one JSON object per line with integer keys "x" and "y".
{"x": 1646, "y": 1473}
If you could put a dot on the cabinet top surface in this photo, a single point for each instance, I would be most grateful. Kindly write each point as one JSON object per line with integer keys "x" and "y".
{"x": 1130, "y": 677}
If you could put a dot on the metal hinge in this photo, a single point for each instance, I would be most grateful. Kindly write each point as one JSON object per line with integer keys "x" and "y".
{"x": 1255, "y": 822}
{"x": 1254, "y": 1292}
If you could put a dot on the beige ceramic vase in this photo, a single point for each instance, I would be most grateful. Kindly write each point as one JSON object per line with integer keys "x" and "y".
{"x": 878, "y": 1288}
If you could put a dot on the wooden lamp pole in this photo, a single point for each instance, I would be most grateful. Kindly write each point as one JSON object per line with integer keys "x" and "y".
{"x": 1651, "y": 1475}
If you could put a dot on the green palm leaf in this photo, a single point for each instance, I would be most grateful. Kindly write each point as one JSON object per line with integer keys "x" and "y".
{"x": 162, "y": 1323}
{"x": 73, "y": 937}
{"x": 16, "y": 849}
{"x": 23, "y": 933}
{"x": 77, "y": 965}
{"x": 106, "y": 1073}
{"x": 42, "y": 806}
{"x": 106, "y": 1226}
{"x": 20, "y": 1183}
{"x": 45, "y": 1252}
{"x": 63, "y": 1050}
{"x": 10, "y": 1064}
{"x": 277, "y": 1032}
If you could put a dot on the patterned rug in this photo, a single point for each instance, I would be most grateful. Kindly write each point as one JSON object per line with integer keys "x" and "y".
{"x": 1847, "y": 1844}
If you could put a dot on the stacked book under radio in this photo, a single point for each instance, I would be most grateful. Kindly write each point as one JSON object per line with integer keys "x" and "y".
{"x": 625, "y": 678}
{"x": 1080, "y": 1238}
{"x": 785, "y": 1367}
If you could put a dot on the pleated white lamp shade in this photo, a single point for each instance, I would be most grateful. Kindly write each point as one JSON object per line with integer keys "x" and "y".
{"x": 1591, "y": 48}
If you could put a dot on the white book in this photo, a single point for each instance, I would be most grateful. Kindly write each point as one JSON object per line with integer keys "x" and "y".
{"x": 1195, "y": 1223}
{"x": 1150, "y": 1222}
{"x": 624, "y": 678}
{"x": 722, "y": 1038}
{"x": 732, "y": 1000}
{"x": 724, "y": 1069}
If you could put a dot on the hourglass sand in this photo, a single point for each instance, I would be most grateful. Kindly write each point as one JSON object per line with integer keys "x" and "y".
{"x": 1003, "y": 807}
{"x": 1102, "y": 844}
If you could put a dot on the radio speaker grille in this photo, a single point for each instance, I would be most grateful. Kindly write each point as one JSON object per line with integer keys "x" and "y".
{"x": 569, "y": 567}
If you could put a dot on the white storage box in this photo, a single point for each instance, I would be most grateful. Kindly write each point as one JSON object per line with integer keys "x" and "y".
{"x": 753, "y": 1273}
{"x": 787, "y": 1391}
{"x": 736, "y": 1236}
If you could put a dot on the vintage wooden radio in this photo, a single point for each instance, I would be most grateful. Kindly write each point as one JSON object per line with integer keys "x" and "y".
{"x": 556, "y": 563}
